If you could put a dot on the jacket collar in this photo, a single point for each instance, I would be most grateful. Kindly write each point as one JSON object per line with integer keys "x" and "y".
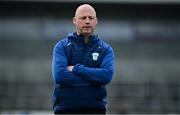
{"x": 79, "y": 38}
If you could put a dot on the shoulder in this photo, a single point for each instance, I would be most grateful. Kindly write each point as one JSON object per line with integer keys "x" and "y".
{"x": 61, "y": 43}
{"x": 108, "y": 50}
{"x": 104, "y": 44}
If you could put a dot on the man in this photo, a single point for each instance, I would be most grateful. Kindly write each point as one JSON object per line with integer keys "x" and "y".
{"x": 82, "y": 66}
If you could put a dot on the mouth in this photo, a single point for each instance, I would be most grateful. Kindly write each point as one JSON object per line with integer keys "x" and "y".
{"x": 87, "y": 27}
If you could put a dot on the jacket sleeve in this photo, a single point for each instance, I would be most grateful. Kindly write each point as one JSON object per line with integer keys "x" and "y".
{"x": 59, "y": 69}
{"x": 102, "y": 75}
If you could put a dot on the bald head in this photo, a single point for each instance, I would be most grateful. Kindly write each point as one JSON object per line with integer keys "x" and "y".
{"x": 85, "y": 8}
{"x": 85, "y": 20}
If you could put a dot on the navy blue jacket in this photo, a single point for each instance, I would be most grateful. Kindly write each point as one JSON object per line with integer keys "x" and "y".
{"x": 84, "y": 87}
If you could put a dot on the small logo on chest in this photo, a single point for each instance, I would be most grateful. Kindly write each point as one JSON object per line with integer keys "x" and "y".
{"x": 95, "y": 56}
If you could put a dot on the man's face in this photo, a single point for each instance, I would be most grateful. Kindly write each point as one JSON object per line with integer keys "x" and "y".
{"x": 85, "y": 21}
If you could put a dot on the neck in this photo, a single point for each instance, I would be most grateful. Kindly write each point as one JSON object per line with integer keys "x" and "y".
{"x": 85, "y": 37}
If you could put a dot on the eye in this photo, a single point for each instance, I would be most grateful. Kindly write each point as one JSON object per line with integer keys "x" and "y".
{"x": 91, "y": 18}
{"x": 83, "y": 18}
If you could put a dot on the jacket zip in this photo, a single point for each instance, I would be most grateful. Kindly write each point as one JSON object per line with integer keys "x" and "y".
{"x": 83, "y": 54}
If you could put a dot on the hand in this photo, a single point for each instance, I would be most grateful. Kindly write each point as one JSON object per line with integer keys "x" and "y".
{"x": 70, "y": 68}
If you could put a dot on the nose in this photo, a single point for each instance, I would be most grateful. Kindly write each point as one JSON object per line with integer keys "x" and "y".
{"x": 87, "y": 21}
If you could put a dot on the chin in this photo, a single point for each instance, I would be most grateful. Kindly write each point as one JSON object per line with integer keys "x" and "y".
{"x": 87, "y": 33}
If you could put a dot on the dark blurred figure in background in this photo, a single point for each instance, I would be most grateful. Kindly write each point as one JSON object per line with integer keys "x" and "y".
{"x": 82, "y": 65}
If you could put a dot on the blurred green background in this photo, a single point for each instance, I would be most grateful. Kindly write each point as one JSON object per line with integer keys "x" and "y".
{"x": 145, "y": 37}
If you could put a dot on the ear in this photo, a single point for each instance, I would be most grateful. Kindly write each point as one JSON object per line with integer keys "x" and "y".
{"x": 96, "y": 20}
{"x": 74, "y": 20}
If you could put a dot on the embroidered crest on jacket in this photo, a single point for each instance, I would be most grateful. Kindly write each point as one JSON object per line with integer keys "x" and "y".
{"x": 95, "y": 56}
